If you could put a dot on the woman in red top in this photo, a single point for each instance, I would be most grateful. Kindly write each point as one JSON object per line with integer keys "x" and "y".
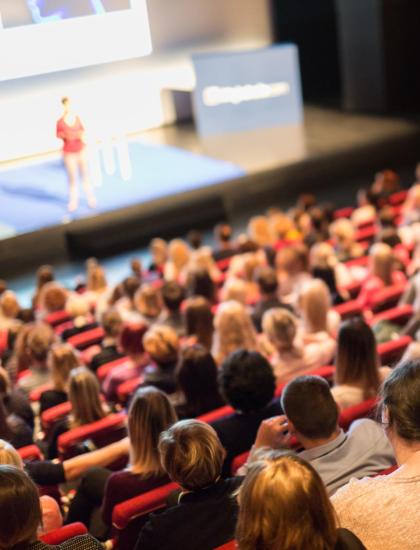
{"x": 70, "y": 129}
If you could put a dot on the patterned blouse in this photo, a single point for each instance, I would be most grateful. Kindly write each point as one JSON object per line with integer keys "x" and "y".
{"x": 82, "y": 542}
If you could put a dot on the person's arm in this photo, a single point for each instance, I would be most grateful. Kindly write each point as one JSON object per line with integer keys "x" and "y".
{"x": 75, "y": 467}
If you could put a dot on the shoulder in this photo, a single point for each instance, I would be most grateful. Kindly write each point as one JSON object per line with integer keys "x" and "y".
{"x": 357, "y": 490}
{"x": 82, "y": 542}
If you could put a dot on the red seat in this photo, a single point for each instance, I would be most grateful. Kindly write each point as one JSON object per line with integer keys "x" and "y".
{"x": 224, "y": 264}
{"x": 398, "y": 198}
{"x": 57, "y": 317}
{"x": 53, "y": 414}
{"x": 30, "y": 452}
{"x": 388, "y": 471}
{"x": 363, "y": 410}
{"x": 238, "y": 462}
{"x": 387, "y": 298}
{"x": 349, "y": 309}
{"x": 87, "y": 338}
{"x": 343, "y": 212}
{"x": 106, "y": 368}
{"x": 101, "y": 433}
{"x": 4, "y": 341}
{"x": 391, "y": 352}
{"x": 126, "y": 389}
{"x": 35, "y": 394}
{"x": 363, "y": 261}
{"x": 217, "y": 414}
{"x": 366, "y": 234}
{"x": 228, "y": 546}
{"x": 399, "y": 315}
{"x": 129, "y": 516}
{"x": 64, "y": 533}
{"x": 352, "y": 289}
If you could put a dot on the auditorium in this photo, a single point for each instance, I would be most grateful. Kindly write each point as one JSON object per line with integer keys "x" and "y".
{"x": 224, "y": 185}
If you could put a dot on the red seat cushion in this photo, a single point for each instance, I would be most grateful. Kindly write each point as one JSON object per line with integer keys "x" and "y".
{"x": 30, "y": 452}
{"x": 106, "y": 368}
{"x": 363, "y": 410}
{"x": 88, "y": 338}
{"x": 217, "y": 414}
{"x": 64, "y": 533}
{"x": 391, "y": 352}
{"x": 399, "y": 315}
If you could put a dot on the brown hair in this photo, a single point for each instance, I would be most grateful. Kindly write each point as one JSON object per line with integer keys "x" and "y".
{"x": 382, "y": 262}
{"x": 9, "y": 304}
{"x": 162, "y": 344}
{"x": 357, "y": 361}
{"x": 20, "y": 509}
{"x": 112, "y": 322}
{"x": 62, "y": 360}
{"x": 53, "y": 297}
{"x": 40, "y": 339}
{"x": 280, "y": 327}
{"x": 314, "y": 303}
{"x": 96, "y": 279}
{"x": 192, "y": 454}
{"x": 149, "y": 415}
{"x": 199, "y": 320}
{"x": 148, "y": 301}
{"x": 5, "y": 382}
{"x": 284, "y": 506}
{"x": 84, "y": 395}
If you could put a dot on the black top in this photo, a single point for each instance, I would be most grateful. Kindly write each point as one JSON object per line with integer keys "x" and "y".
{"x": 237, "y": 432}
{"x": 17, "y": 403}
{"x": 60, "y": 427}
{"x": 20, "y": 433}
{"x": 69, "y": 332}
{"x": 82, "y": 542}
{"x": 348, "y": 541}
{"x": 51, "y": 398}
{"x": 174, "y": 320}
{"x": 106, "y": 355}
{"x": 161, "y": 376}
{"x": 44, "y": 472}
{"x": 224, "y": 254}
{"x": 202, "y": 520}
{"x": 264, "y": 305}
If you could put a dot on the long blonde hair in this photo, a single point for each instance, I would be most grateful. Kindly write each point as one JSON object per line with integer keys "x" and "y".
{"x": 314, "y": 302}
{"x": 382, "y": 262}
{"x": 84, "y": 396}
{"x": 283, "y": 505}
{"x": 150, "y": 414}
{"x": 233, "y": 330}
{"x": 9, "y": 455}
{"x": 280, "y": 327}
{"x": 62, "y": 359}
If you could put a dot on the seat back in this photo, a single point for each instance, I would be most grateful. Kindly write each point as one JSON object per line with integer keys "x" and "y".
{"x": 57, "y": 318}
{"x": 228, "y": 546}
{"x": 349, "y": 309}
{"x": 387, "y": 298}
{"x": 127, "y": 388}
{"x": 217, "y": 414}
{"x": 30, "y": 452}
{"x": 399, "y": 315}
{"x": 363, "y": 410}
{"x": 53, "y": 414}
{"x": 391, "y": 352}
{"x": 58, "y": 536}
{"x": 35, "y": 395}
{"x": 87, "y": 338}
{"x": 106, "y": 368}
{"x": 129, "y": 516}
{"x": 100, "y": 433}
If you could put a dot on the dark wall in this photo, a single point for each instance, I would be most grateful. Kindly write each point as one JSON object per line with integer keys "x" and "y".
{"x": 311, "y": 24}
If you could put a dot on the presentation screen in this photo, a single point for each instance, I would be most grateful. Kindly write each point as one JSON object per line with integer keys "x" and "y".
{"x": 43, "y": 36}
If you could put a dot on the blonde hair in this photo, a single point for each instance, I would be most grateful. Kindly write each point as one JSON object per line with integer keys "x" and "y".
{"x": 77, "y": 307}
{"x": 9, "y": 304}
{"x": 314, "y": 302}
{"x": 161, "y": 343}
{"x": 159, "y": 250}
{"x": 233, "y": 330}
{"x": 191, "y": 454}
{"x": 283, "y": 505}
{"x": 62, "y": 360}
{"x": 235, "y": 289}
{"x": 292, "y": 259}
{"x": 260, "y": 231}
{"x": 382, "y": 262}
{"x": 84, "y": 396}
{"x": 148, "y": 301}
{"x": 281, "y": 225}
{"x": 149, "y": 415}
{"x": 322, "y": 255}
{"x": 96, "y": 278}
{"x": 280, "y": 327}
{"x": 179, "y": 254}
{"x": 9, "y": 455}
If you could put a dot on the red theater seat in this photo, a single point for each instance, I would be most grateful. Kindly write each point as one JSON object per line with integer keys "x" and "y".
{"x": 217, "y": 414}
{"x": 349, "y": 309}
{"x": 363, "y": 261}
{"x": 398, "y": 198}
{"x": 88, "y": 338}
{"x": 57, "y": 317}
{"x": 363, "y": 410}
{"x": 399, "y": 315}
{"x": 30, "y": 452}
{"x": 366, "y": 234}
{"x": 35, "y": 394}
{"x": 238, "y": 462}
{"x": 391, "y": 352}
{"x": 228, "y": 546}
{"x": 387, "y": 298}
{"x": 4, "y": 338}
{"x": 343, "y": 212}
{"x": 129, "y": 516}
{"x": 64, "y": 533}
{"x": 126, "y": 389}
{"x": 53, "y": 414}
{"x": 100, "y": 433}
{"x": 106, "y": 368}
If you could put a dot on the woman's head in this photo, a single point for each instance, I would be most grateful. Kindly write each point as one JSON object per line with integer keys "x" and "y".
{"x": 283, "y": 505}
{"x": 62, "y": 359}
{"x": 382, "y": 262}
{"x": 53, "y": 297}
{"x": 148, "y": 301}
{"x": 200, "y": 283}
{"x": 199, "y": 320}
{"x": 84, "y": 396}
{"x": 314, "y": 301}
{"x": 179, "y": 253}
{"x": 280, "y": 327}
{"x": 112, "y": 323}
{"x": 131, "y": 339}
{"x": 149, "y": 415}
{"x": 40, "y": 339}
{"x": 357, "y": 361}
{"x": 235, "y": 289}
{"x": 159, "y": 251}
{"x": 96, "y": 279}
{"x": 9, "y": 455}
{"x": 20, "y": 509}
{"x": 292, "y": 260}
{"x": 322, "y": 255}
{"x": 162, "y": 344}
{"x": 9, "y": 305}
{"x": 196, "y": 375}
{"x": 400, "y": 403}
{"x": 77, "y": 306}
{"x": 342, "y": 232}
{"x": 44, "y": 275}
{"x": 260, "y": 231}
{"x": 234, "y": 329}
{"x": 192, "y": 454}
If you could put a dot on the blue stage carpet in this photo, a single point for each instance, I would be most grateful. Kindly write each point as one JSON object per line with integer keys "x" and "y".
{"x": 34, "y": 197}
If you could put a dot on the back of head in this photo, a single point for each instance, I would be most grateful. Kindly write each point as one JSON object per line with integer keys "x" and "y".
{"x": 314, "y": 303}
{"x": 62, "y": 360}
{"x": 192, "y": 454}
{"x": 112, "y": 322}
{"x": 149, "y": 415}
{"x": 195, "y": 239}
{"x": 53, "y": 297}
{"x": 259, "y": 230}
{"x": 96, "y": 278}
{"x": 400, "y": 401}
{"x": 200, "y": 283}
{"x": 9, "y": 305}
{"x": 179, "y": 253}
{"x": 20, "y": 510}
{"x": 84, "y": 395}
{"x": 159, "y": 250}
{"x": 247, "y": 381}
{"x": 77, "y": 306}
{"x": 9, "y": 455}
{"x": 130, "y": 286}
{"x": 284, "y": 506}
{"x": 162, "y": 344}
{"x": 267, "y": 280}
{"x": 223, "y": 232}
{"x": 308, "y": 403}
{"x": 234, "y": 329}
{"x": 131, "y": 338}
{"x": 40, "y": 339}
{"x": 44, "y": 275}
{"x": 148, "y": 300}
{"x": 199, "y": 320}
{"x": 382, "y": 261}
{"x": 280, "y": 327}
{"x": 357, "y": 361}
{"x": 172, "y": 294}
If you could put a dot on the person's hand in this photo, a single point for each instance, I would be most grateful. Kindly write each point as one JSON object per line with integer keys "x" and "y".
{"x": 273, "y": 433}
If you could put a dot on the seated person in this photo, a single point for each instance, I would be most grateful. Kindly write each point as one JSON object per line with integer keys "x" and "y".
{"x": 204, "y": 515}
{"x": 224, "y": 247}
{"x": 14, "y": 429}
{"x": 173, "y": 295}
{"x": 112, "y": 324}
{"x": 311, "y": 415}
{"x": 247, "y": 383}
{"x": 14, "y": 401}
{"x": 83, "y": 320}
{"x": 162, "y": 345}
{"x": 268, "y": 288}
{"x": 344, "y": 240}
{"x": 384, "y": 512}
{"x": 20, "y": 510}
{"x": 39, "y": 341}
{"x": 62, "y": 359}
{"x": 284, "y": 504}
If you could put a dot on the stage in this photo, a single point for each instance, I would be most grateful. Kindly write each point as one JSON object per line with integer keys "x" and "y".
{"x": 180, "y": 180}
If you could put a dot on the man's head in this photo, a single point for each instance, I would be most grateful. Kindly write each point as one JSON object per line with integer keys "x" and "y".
{"x": 310, "y": 407}
{"x": 191, "y": 454}
{"x": 247, "y": 381}
{"x": 223, "y": 233}
{"x": 173, "y": 295}
{"x": 267, "y": 281}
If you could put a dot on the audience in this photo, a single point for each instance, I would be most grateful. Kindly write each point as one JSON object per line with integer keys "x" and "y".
{"x": 39, "y": 340}
{"x": 62, "y": 359}
{"x": 173, "y": 295}
{"x": 199, "y": 321}
{"x": 162, "y": 345}
{"x": 268, "y": 291}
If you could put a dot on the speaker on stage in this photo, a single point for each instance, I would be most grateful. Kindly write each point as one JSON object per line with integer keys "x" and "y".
{"x": 380, "y": 55}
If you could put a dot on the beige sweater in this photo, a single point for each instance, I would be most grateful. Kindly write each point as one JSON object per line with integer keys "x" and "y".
{"x": 384, "y": 512}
